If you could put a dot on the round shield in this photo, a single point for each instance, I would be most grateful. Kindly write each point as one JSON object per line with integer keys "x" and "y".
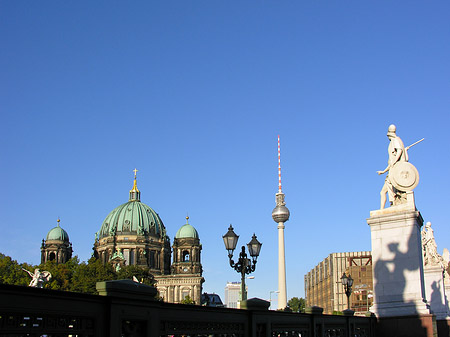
{"x": 404, "y": 176}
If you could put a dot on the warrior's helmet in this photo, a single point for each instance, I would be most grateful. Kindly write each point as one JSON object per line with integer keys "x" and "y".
{"x": 391, "y": 130}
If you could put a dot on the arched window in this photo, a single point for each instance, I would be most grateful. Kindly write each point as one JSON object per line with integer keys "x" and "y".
{"x": 52, "y": 256}
{"x": 152, "y": 259}
{"x": 186, "y": 256}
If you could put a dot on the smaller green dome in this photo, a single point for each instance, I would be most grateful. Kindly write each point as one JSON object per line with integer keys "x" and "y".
{"x": 186, "y": 231}
{"x": 57, "y": 233}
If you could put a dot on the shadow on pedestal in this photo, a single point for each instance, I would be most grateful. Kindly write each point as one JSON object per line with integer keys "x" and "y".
{"x": 443, "y": 328}
{"x": 407, "y": 326}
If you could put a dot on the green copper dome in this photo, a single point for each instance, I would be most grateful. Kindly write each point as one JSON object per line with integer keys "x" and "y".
{"x": 132, "y": 218}
{"x": 186, "y": 231}
{"x": 57, "y": 233}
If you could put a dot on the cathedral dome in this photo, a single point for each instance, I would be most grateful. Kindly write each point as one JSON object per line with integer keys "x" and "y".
{"x": 132, "y": 218}
{"x": 186, "y": 231}
{"x": 57, "y": 233}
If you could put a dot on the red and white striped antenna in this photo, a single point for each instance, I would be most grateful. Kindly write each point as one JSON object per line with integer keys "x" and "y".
{"x": 279, "y": 165}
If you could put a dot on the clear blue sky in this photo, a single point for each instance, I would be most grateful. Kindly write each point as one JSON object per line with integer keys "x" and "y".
{"x": 193, "y": 94}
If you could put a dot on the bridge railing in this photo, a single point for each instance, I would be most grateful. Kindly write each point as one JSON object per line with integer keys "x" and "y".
{"x": 127, "y": 309}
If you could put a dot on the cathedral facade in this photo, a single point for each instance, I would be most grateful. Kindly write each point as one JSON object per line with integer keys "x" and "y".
{"x": 134, "y": 234}
{"x": 56, "y": 246}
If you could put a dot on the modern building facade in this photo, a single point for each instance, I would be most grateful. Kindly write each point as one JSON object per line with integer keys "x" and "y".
{"x": 323, "y": 287}
{"x": 232, "y": 292}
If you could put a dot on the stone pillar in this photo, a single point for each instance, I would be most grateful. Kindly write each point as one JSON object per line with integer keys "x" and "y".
{"x": 170, "y": 294}
{"x": 398, "y": 281}
{"x": 196, "y": 297}
{"x": 435, "y": 291}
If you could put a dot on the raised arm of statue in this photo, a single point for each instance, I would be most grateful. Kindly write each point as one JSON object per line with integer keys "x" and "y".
{"x": 29, "y": 273}
{"x": 384, "y": 171}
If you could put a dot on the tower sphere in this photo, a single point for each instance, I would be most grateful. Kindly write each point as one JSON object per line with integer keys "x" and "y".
{"x": 280, "y": 214}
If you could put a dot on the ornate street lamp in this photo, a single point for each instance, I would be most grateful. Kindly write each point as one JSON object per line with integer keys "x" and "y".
{"x": 244, "y": 265}
{"x": 347, "y": 282}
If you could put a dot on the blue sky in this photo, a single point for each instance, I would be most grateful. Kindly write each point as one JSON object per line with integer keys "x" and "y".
{"x": 193, "y": 94}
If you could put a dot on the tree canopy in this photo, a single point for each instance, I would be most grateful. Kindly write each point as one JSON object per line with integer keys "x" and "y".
{"x": 11, "y": 271}
{"x": 297, "y": 304}
{"x": 72, "y": 275}
{"x": 187, "y": 300}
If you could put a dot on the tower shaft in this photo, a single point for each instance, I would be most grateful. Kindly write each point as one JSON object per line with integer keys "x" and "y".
{"x": 282, "y": 292}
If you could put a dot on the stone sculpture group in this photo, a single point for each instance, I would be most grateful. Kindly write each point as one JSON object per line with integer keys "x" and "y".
{"x": 38, "y": 278}
{"x": 409, "y": 275}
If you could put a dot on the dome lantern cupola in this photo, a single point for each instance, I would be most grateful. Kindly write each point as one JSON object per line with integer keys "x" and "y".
{"x": 135, "y": 195}
{"x": 57, "y": 233}
{"x": 187, "y": 231}
{"x": 187, "y": 251}
{"x": 56, "y": 246}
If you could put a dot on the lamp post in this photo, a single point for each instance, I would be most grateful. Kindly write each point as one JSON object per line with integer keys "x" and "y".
{"x": 347, "y": 282}
{"x": 369, "y": 295}
{"x": 270, "y": 296}
{"x": 244, "y": 265}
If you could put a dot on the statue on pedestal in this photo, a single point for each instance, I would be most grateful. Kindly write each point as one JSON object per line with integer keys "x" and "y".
{"x": 402, "y": 176}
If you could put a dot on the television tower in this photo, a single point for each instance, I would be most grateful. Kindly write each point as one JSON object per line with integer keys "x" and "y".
{"x": 280, "y": 215}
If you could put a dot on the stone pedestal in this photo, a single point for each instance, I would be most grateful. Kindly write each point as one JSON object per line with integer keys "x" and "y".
{"x": 447, "y": 293}
{"x": 397, "y": 262}
{"x": 435, "y": 292}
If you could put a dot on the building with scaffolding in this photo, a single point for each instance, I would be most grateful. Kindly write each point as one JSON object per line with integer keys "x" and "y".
{"x": 323, "y": 287}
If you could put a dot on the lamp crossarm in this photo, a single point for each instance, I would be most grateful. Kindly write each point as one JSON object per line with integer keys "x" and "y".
{"x": 250, "y": 267}
{"x": 244, "y": 265}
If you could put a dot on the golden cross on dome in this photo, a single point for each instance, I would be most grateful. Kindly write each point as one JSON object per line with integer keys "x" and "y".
{"x": 135, "y": 171}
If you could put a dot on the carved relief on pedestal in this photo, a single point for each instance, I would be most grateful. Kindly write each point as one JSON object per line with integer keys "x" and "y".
{"x": 446, "y": 262}
{"x": 430, "y": 255}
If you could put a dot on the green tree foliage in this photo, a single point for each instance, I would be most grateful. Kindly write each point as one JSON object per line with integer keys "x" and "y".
{"x": 142, "y": 274}
{"x": 297, "y": 304}
{"x": 62, "y": 273}
{"x": 72, "y": 275}
{"x": 11, "y": 272}
{"x": 187, "y": 300}
{"x": 88, "y": 274}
